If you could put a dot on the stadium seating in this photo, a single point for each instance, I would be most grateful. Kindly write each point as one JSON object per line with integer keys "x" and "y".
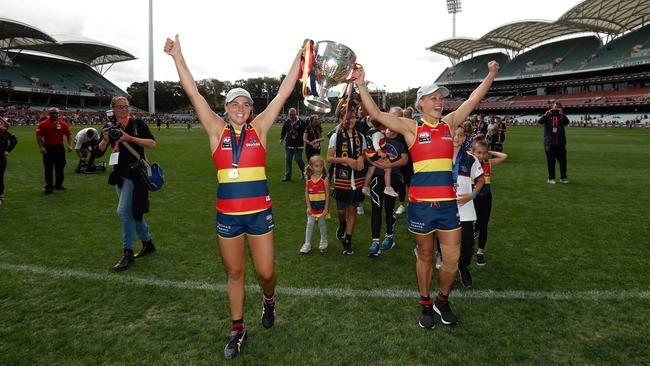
{"x": 562, "y": 56}
{"x": 631, "y": 48}
{"x": 472, "y": 69}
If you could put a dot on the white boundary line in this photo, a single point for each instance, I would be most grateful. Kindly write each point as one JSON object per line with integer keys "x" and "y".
{"x": 328, "y": 292}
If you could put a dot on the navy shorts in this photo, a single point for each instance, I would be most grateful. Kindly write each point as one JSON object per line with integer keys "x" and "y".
{"x": 232, "y": 226}
{"x": 425, "y": 218}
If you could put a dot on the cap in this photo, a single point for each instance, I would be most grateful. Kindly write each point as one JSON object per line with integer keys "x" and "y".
{"x": 429, "y": 89}
{"x": 238, "y": 92}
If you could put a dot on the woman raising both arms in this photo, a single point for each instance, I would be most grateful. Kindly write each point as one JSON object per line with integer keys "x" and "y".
{"x": 432, "y": 198}
{"x": 243, "y": 204}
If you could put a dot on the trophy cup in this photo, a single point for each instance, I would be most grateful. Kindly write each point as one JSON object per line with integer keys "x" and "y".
{"x": 332, "y": 64}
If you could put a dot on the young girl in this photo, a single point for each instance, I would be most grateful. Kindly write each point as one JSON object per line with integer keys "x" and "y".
{"x": 483, "y": 202}
{"x": 377, "y": 152}
{"x": 317, "y": 197}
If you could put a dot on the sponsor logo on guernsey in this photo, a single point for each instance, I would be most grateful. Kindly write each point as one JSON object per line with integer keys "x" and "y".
{"x": 424, "y": 137}
{"x": 225, "y": 144}
{"x": 267, "y": 198}
{"x": 446, "y": 136}
{"x": 253, "y": 142}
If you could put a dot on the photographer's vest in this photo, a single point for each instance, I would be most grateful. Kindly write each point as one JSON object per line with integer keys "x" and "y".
{"x": 432, "y": 153}
{"x": 249, "y": 192}
{"x": 345, "y": 149}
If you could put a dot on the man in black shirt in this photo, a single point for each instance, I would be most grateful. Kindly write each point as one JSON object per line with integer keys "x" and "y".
{"x": 555, "y": 121}
{"x": 292, "y": 136}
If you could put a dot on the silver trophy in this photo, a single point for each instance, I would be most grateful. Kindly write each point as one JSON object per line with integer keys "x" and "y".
{"x": 332, "y": 65}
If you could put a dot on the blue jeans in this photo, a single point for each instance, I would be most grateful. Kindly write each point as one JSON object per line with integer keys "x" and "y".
{"x": 294, "y": 153}
{"x": 125, "y": 211}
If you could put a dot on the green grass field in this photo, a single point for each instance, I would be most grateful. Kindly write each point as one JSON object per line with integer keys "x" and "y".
{"x": 578, "y": 251}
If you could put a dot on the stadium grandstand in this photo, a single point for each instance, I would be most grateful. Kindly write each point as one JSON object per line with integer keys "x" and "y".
{"x": 594, "y": 59}
{"x": 39, "y": 70}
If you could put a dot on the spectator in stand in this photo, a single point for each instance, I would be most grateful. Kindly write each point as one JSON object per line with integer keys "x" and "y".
{"x": 555, "y": 121}
{"x": 292, "y": 136}
{"x": 86, "y": 141}
{"x": 49, "y": 136}
{"x": 313, "y": 136}
{"x": 7, "y": 143}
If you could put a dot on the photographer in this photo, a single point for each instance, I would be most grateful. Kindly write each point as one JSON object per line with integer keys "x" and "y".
{"x": 86, "y": 142}
{"x": 132, "y": 193}
{"x": 554, "y": 121}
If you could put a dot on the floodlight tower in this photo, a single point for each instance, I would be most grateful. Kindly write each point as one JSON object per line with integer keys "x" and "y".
{"x": 453, "y": 7}
{"x": 151, "y": 95}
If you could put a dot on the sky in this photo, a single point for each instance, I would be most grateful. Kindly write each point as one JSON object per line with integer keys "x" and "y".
{"x": 256, "y": 38}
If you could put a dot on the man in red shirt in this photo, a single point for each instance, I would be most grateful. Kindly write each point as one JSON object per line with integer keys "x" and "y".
{"x": 49, "y": 136}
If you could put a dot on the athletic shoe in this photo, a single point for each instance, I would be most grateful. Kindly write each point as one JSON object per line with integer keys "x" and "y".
{"x": 374, "y": 250}
{"x": 564, "y": 180}
{"x": 400, "y": 210}
{"x": 322, "y": 246}
{"x": 443, "y": 309}
{"x": 340, "y": 232}
{"x": 480, "y": 259}
{"x": 465, "y": 277}
{"x": 390, "y": 191}
{"x": 306, "y": 248}
{"x": 551, "y": 181}
{"x": 438, "y": 260}
{"x": 347, "y": 248}
{"x": 387, "y": 244}
{"x": 268, "y": 313}
{"x": 365, "y": 191}
{"x": 426, "y": 319}
{"x": 360, "y": 211}
{"x": 233, "y": 347}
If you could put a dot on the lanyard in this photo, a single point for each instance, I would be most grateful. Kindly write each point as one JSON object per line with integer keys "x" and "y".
{"x": 237, "y": 146}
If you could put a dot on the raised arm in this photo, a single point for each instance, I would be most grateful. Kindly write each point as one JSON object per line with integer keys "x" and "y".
{"x": 212, "y": 123}
{"x": 460, "y": 115}
{"x": 497, "y": 157}
{"x": 264, "y": 120}
{"x": 404, "y": 126}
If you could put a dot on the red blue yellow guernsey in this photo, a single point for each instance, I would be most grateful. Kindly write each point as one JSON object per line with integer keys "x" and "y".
{"x": 316, "y": 193}
{"x": 487, "y": 174}
{"x": 432, "y": 153}
{"x": 248, "y": 192}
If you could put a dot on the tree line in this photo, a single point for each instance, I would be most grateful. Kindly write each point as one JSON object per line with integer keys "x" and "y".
{"x": 170, "y": 97}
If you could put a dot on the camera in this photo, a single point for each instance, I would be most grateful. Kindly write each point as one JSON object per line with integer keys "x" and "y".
{"x": 114, "y": 127}
{"x": 555, "y": 112}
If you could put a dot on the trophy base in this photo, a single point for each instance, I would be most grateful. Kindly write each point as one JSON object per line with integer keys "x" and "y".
{"x": 318, "y": 104}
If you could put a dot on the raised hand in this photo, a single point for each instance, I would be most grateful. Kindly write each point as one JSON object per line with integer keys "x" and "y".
{"x": 173, "y": 48}
{"x": 493, "y": 67}
{"x": 358, "y": 75}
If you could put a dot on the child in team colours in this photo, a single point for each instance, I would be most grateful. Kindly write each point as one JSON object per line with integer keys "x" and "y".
{"x": 317, "y": 197}
{"x": 376, "y": 152}
{"x": 483, "y": 202}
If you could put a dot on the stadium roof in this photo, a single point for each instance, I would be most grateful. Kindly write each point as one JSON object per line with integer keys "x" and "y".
{"x": 608, "y": 16}
{"x": 604, "y": 16}
{"x": 17, "y": 35}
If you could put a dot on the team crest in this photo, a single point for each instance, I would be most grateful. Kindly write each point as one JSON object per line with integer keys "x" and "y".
{"x": 226, "y": 143}
{"x": 424, "y": 137}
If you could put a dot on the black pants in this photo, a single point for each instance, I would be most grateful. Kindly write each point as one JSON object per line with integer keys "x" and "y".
{"x": 310, "y": 151}
{"x": 87, "y": 150}
{"x": 466, "y": 243}
{"x": 407, "y": 173}
{"x": 379, "y": 201}
{"x": 54, "y": 162}
{"x": 483, "y": 206}
{"x": 3, "y": 166}
{"x": 555, "y": 152}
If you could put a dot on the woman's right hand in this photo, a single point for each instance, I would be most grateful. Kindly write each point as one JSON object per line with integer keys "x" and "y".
{"x": 173, "y": 48}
